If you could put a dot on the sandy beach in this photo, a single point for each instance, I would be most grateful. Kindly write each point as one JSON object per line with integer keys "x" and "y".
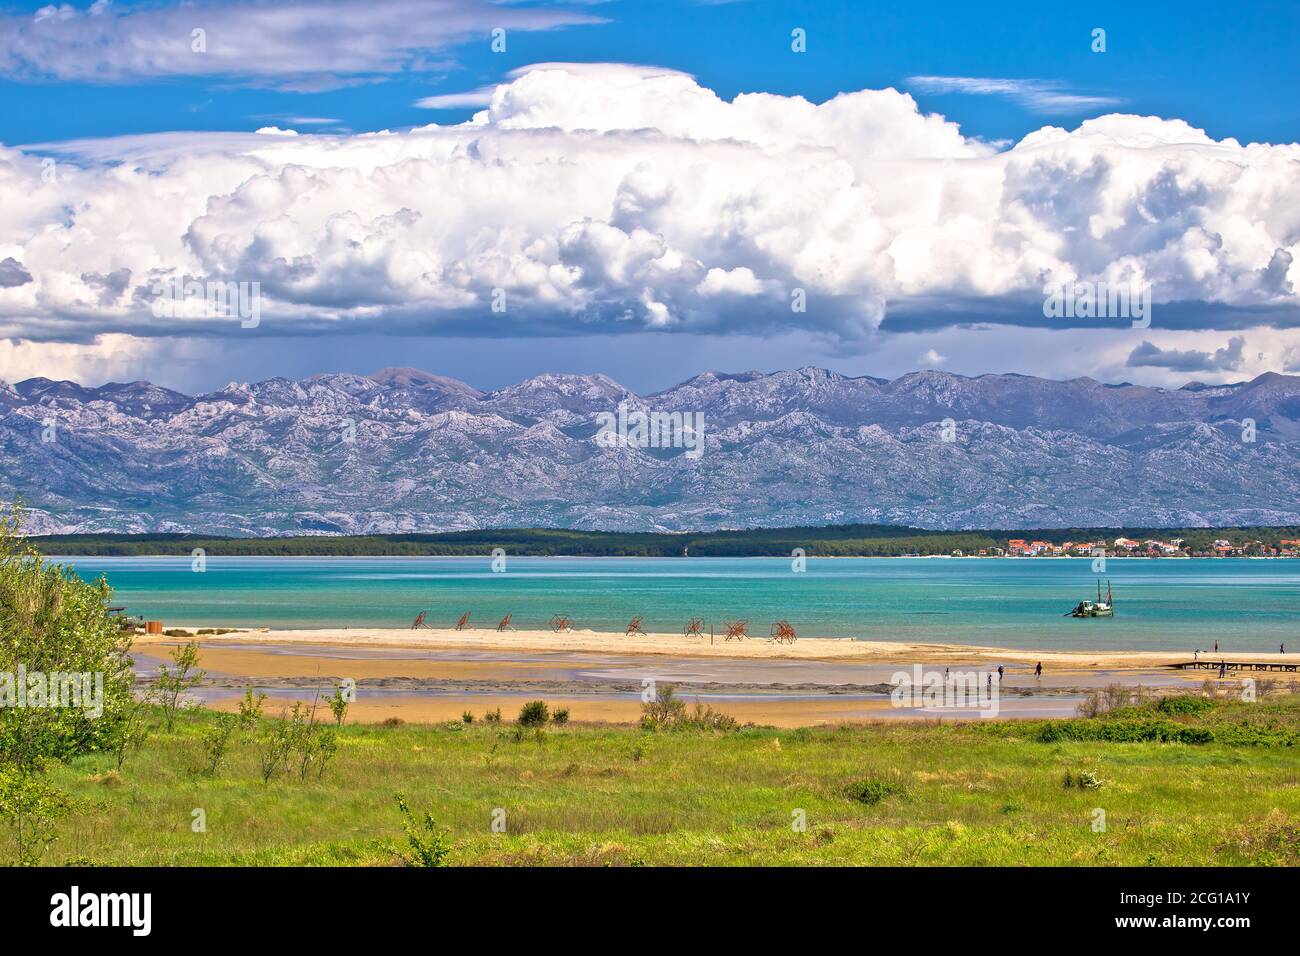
{"x": 677, "y": 645}
{"x": 429, "y": 676}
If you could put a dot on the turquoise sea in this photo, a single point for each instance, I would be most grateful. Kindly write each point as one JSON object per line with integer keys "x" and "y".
{"x": 1180, "y": 604}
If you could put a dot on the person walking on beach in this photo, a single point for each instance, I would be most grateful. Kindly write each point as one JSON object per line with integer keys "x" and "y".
{"x": 1216, "y": 647}
{"x": 1281, "y": 648}
{"x": 999, "y": 673}
{"x": 1223, "y": 670}
{"x": 1197, "y": 655}
{"x": 1038, "y": 669}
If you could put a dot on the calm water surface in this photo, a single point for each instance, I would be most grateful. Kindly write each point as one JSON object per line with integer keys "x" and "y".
{"x": 1249, "y": 605}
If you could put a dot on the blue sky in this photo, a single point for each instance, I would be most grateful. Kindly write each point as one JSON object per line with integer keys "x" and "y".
{"x": 387, "y": 252}
{"x": 1232, "y": 72}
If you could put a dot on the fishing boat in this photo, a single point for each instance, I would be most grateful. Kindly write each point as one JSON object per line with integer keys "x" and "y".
{"x": 1097, "y": 608}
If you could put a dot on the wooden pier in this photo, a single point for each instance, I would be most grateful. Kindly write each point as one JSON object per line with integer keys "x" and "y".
{"x": 1209, "y": 665}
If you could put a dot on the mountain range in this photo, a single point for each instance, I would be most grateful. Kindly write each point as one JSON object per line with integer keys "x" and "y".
{"x": 406, "y": 451}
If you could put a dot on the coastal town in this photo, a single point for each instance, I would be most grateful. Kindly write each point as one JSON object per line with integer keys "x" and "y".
{"x": 1148, "y": 548}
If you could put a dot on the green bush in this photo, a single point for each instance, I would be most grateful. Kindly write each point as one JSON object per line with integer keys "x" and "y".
{"x": 215, "y": 741}
{"x": 1184, "y": 704}
{"x": 667, "y": 711}
{"x": 561, "y": 715}
{"x": 535, "y": 713}
{"x": 1127, "y": 731}
{"x": 1084, "y": 780}
{"x": 871, "y": 791}
{"x": 53, "y": 623}
{"x": 66, "y": 655}
{"x": 31, "y": 808}
{"x": 428, "y": 843}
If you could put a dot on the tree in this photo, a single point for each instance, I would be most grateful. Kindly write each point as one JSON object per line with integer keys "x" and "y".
{"x": 65, "y": 674}
{"x": 65, "y": 683}
{"x": 172, "y": 683}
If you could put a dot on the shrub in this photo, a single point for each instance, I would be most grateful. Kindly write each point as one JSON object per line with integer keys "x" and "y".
{"x": 428, "y": 843}
{"x": 535, "y": 713}
{"x": 297, "y": 742}
{"x": 668, "y": 711}
{"x": 130, "y": 732}
{"x": 338, "y": 703}
{"x": 871, "y": 791}
{"x": 664, "y": 708}
{"x": 326, "y": 745}
{"x": 1142, "y": 731}
{"x": 1184, "y": 704}
{"x": 250, "y": 710}
{"x": 172, "y": 683}
{"x": 1265, "y": 686}
{"x": 277, "y": 748}
{"x": 53, "y": 621}
{"x": 1111, "y": 698}
{"x": 704, "y": 717}
{"x": 561, "y": 715}
{"x": 32, "y": 808}
{"x": 467, "y": 717}
{"x": 216, "y": 741}
{"x": 493, "y": 716}
{"x": 1084, "y": 779}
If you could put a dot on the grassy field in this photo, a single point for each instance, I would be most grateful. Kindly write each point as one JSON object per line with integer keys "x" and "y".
{"x": 934, "y": 794}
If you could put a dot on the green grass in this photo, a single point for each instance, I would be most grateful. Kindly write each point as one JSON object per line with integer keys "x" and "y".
{"x": 984, "y": 793}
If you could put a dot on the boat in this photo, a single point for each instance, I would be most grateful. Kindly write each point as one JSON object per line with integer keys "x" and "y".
{"x": 1097, "y": 608}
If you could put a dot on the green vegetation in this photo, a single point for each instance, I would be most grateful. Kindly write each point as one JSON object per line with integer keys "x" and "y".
{"x": 667, "y": 711}
{"x": 428, "y": 844}
{"x": 175, "y": 680}
{"x": 873, "y": 791}
{"x": 830, "y": 541}
{"x": 985, "y": 792}
{"x": 1122, "y": 715}
{"x": 65, "y": 687}
{"x": 1182, "y": 780}
{"x": 535, "y": 713}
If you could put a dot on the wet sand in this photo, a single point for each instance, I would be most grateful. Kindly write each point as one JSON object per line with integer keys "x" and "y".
{"x": 676, "y": 645}
{"x": 430, "y": 676}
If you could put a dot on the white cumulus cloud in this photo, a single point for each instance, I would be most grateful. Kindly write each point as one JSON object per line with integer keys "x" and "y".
{"x": 606, "y": 198}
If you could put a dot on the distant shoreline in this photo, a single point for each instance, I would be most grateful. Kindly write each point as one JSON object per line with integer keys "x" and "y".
{"x": 709, "y": 557}
{"x": 851, "y": 540}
